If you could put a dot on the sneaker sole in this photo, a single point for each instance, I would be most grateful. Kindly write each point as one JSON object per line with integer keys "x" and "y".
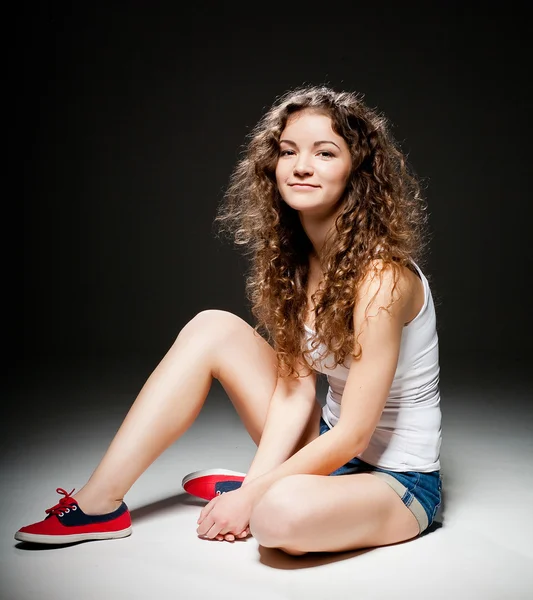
{"x": 209, "y": 472}
{"x": 69, "y": 539}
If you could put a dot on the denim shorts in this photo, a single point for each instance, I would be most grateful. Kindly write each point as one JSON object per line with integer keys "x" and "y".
{"x": 420, "y": 492}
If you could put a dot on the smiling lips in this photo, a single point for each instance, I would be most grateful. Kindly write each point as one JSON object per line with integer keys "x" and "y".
{"x": 303, "y": 186}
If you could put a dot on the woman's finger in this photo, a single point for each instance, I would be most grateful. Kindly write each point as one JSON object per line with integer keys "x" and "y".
{"x": 216, "y": 529}
{"x": 205, "y": 526}
{"x": 206, "y": 510}
{"x": 212, "y": 533}
{"x": 231, "y": 537}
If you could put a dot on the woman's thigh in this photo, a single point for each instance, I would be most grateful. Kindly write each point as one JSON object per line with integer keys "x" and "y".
{"x": 243, "y": 362}
{"x": 315, "y": 513}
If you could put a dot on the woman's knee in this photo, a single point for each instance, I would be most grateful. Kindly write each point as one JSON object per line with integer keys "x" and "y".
{"x": 210, "y": 325}
{"x": 219, "y": 336}
{"x": 277, "y": 516}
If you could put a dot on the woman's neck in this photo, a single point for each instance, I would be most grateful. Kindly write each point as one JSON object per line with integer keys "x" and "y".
{"x": 317, "y": 230}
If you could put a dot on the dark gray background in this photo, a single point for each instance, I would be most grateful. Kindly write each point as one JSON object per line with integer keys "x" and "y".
{"x": 132, "y": 116}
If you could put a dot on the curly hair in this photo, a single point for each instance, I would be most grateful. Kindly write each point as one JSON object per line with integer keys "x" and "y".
{"x": 383, "y": 216}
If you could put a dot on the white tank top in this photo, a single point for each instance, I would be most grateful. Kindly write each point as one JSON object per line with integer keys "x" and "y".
{"x": 408, "y": 435}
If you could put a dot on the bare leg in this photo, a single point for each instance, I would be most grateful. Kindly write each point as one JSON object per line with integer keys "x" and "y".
{"x": 213, "y": 344}
{"x": 316, "y": 513}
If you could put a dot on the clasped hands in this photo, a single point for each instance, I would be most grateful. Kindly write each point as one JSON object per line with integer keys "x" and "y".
{"x": 227, "y": 517}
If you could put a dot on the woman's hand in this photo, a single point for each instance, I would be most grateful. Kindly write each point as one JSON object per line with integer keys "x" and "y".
{"x": 227, "y": 516}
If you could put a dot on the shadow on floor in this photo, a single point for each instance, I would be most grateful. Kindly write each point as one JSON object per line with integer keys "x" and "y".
{"x": 183, "y": 499}
{"x": 278, "y": 559}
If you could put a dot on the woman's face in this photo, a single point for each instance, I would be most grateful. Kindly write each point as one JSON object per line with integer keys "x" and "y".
{"x": 314, "y": 164}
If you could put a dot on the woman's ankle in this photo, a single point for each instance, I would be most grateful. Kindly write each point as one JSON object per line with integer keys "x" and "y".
{"x": 96, "y": 505}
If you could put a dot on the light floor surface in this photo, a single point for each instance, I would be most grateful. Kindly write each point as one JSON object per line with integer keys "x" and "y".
{"x": 60, "y": 421}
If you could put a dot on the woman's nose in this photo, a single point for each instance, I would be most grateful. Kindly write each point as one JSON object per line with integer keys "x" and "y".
{"x": 302, "y": 166}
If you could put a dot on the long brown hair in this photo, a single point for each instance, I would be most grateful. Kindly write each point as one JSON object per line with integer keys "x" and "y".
{"x": 383, "y": 216}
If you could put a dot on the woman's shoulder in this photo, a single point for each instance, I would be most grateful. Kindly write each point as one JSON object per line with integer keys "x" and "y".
{"x": 387, "y": 283}
{"x": 391, "y": 273}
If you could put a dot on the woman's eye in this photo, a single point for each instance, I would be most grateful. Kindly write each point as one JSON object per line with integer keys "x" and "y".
{"x": 286, "y": 152}
{"x": 325, "y": 153}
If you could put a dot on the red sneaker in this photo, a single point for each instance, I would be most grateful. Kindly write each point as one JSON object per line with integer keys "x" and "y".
{"x": 209, "y": 483}
{"x": 67, "y": 523}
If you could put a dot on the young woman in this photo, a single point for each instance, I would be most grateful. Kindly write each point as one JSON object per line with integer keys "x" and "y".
{"x": 334, "y": 223}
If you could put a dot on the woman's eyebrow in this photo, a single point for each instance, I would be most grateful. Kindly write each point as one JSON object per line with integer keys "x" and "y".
{"x": 291, "y": 143}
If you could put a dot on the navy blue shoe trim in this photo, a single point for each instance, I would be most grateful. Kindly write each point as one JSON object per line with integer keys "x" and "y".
{"x": 227, "y": 486}
{"x": 76, "y": 516}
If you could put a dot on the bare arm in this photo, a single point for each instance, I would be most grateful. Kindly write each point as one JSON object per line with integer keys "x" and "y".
{"x": 288, "y": 414}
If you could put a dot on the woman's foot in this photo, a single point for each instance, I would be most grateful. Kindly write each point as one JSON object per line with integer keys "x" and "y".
{"x": 67, "y": 523}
